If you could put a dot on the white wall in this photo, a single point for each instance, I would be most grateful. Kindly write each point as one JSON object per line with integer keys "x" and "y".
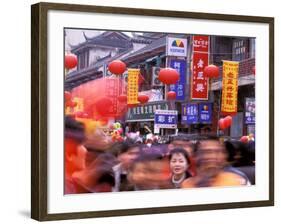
{"x": 15, "y": 112}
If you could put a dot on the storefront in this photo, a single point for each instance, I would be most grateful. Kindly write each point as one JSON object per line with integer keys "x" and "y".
{"x": 143, "y": 115}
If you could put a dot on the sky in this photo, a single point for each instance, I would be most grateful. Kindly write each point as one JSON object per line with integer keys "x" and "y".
{"x": 75, "y": 36}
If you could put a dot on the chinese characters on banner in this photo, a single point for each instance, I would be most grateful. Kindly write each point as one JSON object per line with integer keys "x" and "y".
{"x": 132, "y": 87}
{"x": 229, "y": 87}
{"x": 179, "y": 87}
{"x": 201, "y": 44}
{"x": 112, "y": 91}
{"x": 199, "y": 83}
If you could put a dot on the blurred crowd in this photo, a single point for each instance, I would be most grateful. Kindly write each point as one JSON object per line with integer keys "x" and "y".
{"x": 96, "y": 163}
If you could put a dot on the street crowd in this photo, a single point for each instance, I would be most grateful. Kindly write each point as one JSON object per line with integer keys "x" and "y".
{"x": 95, "y": 163}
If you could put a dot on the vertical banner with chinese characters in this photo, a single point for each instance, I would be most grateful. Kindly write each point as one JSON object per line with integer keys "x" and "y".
{"x": 179, "y": 87}
{"x": 229, "y": 87}
{"x": 199, "y": 83}
{"x": 112, "y": 91}
{"x": 132, "y": 87}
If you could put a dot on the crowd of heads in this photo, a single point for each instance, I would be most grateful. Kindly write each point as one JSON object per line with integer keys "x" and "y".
{"x": 94, "y": 163}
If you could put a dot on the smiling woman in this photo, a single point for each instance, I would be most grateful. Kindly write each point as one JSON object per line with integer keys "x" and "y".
{"x": 179, "y": 164}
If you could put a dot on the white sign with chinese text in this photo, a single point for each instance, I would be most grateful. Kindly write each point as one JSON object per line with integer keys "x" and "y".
{"x": 165, "y": 119}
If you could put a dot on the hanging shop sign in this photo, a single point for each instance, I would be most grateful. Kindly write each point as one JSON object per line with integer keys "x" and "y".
{"x": 205, "y": 113}
{"x": 176, "y": 47}
{"x": 179, "y": 87}
{"x": 192, "y": 113}
{"x": 199, "y": 83}
{"x": 229, "y": 87}
{"x": 250, "y": 110}
{"x": 166, "y": 119}
{"x": 200, "y": 43}
{"x": 145, "y": 112}
{"x": 132, "y": 87}
{"x": 112, "y": 91}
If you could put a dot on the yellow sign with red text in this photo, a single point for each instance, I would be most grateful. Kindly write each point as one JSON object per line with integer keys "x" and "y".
{"x": 229, "y": 87}
{"x": 133, "y": 87}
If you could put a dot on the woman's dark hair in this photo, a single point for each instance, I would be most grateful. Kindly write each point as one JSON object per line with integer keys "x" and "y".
{"x": 181, "y": 151}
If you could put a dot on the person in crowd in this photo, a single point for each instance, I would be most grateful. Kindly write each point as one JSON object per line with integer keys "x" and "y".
{"x": 148, "y": 172}
{"x": 179, "y": 163}
{"x": 186, "y": 143}
{"x": 96, "y": 143}
{"x": 98, "y": 176}
{"x": 211, "y": 159}
{"x": 126, "y": 154}
{"x": 241, "y": 157}
{"x": 74, "y": 156}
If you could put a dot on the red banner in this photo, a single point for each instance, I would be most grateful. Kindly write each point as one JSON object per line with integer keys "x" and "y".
{"x": 199, "y": 83}
{"x": 201, "y": 44}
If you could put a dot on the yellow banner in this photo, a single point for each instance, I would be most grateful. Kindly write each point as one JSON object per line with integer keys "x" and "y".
{"x": 133, "y": 87}
{"x": 229, "y": 86}
{"x": 79, "y": 106}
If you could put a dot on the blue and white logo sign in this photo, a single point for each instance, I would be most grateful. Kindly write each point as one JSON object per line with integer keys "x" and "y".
{"x": 166, "y": 119}
{"x": 205, "y": 113}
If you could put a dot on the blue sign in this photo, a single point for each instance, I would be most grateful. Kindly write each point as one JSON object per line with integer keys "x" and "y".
{"x": 166, "y": 119}
{"x": 250, "y": 111}
{"x": 192, "y": 113}
{"x": 179, "y": 87}
{"x": 205, "y": 113}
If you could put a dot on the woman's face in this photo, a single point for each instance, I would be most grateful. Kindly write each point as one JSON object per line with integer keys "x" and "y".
{"x": 178, "y": 164}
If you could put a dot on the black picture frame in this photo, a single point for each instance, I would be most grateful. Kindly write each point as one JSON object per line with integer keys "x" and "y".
{"x": 39, "y": 108}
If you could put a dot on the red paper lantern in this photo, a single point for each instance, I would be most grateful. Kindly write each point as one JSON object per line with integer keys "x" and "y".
{"x": 143, "y": 98}
{"x": 117, "y": 67}
{"x": 171, "y": 95}
{"x": 168, "y": 76}
{"x": 211, "y": 71}
{"x": 244, "y": 139}
{"x": 67, "y": 95}
{"x": 222, "y": 124}
{"x": 70, "y": 61}
{"x": 103, "y": 106}
{"x": 228, "y": 121}
{"x": 122, "y": 98}
{"x": 254, "y": 70}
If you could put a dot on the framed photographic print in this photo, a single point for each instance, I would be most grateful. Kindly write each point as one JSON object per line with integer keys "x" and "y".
{"x": 139, "y": 111}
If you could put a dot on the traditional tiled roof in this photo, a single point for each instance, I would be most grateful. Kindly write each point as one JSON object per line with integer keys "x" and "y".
{"x": 156, "y": 44}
